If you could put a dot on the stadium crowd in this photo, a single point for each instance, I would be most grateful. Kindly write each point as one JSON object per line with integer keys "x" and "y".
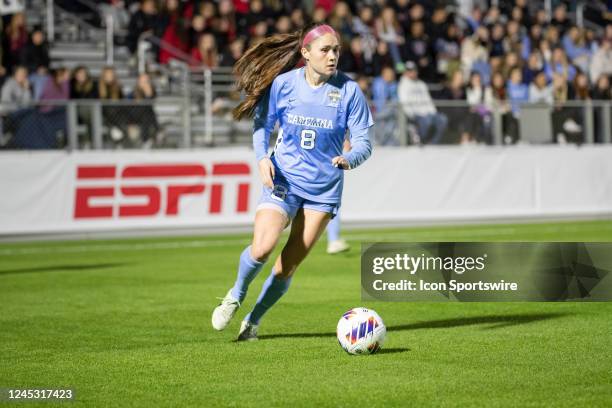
{"x": 412, "y": 51}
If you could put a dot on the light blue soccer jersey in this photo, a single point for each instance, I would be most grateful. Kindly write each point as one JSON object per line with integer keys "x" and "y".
{"x": 312, "y": 125}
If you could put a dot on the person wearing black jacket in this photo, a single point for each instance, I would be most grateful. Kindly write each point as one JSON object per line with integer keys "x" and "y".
{"x": 145, "y": 19}
{"x": 36, "y": 52}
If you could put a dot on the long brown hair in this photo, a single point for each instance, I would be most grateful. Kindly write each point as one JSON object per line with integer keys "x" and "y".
{"x": 260, "y": 64}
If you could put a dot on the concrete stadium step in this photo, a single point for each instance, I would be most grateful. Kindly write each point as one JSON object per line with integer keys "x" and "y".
{"x": 90, "y": 53}
{"x": 86, "y": 51}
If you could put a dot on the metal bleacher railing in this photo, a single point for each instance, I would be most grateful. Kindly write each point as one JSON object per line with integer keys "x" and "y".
{"x": 96, "y": 124}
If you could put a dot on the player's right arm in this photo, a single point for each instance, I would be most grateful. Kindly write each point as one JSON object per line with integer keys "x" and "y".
{"x": 264, "y": 120}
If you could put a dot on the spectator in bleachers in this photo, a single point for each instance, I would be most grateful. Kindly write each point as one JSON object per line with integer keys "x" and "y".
{"x": 82, "y": 86}
{"x": 354, "y": 60}
{"x": 474, "y": 19}
{"x": 541, "y": 18}
{"x": 45, "y": 127}
{"x": 532, "y": 68}
{"x": 553, "y": 37}
{"x": 206, "y": 52}
{"x": 418, "y": 106}
{"x": 389, "y": 30}
{"x": 463, "y": 124}
{"x": 560, "y": 20}
{"x": 525, "y": 19}
{"x": 499, "y": 44}
{"x": 545, "y": 51}
{"x": 416, "y": 12}
{"x": 438, "y": 27}
{"x": 418, "y": 48}
{"x": 16, "y": 38}
{"x": 564, "y": 118}
{"x": 501, "y": 103}
{"x": 142, "y": 123}
{"x": 574, "y": 43}
{"x": 225, "y": 29}
{"x": 580, "y": 89}
{"x": 480, "y": 100}
{"x": 602, "y": 60}
{"x": 38, "y": 79}
{"x": 363, "y": 26}
{"x": 15, "y": 97}
{"x": 514, "y": 37}
{"x": 384, "y": 96}
{"x": 341, "y": 20}
{"x": 232, "y": 53}
{"x": 208, "y": 12}
{"x": 173, "y": 25}
{"x": 197, "y": 29}
{"x": 260, "y": 30}
{"x": 145, "y": 20}
{"x": 283, "y": 25}
{"x": 57, "y": 88}
{"x": 531, "y": 40}
{"x": 109, "y": 89}
{"x": 448, "y": 51}
{"x": 560, "y": 65}
{"x": 16, "y": 90}
{"x": 539, "y": 90}
{"x": 297, "y": 17}
{"x": 493, "y": 17}
{"x": 474, "y": 48}
{"x": 518, "y": 92}
{"x": 258, "y": 12}
{"x": 510, "y": 61}
{"x": 382, "y": 58}
{"x": 35, "y": 53}
{"x": 602, "y": 90}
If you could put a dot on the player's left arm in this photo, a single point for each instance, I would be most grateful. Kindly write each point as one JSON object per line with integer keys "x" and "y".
{"x": 360, "y": 125}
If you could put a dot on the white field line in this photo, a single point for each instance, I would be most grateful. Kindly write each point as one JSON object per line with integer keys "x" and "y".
{"x": 416, "y": 236}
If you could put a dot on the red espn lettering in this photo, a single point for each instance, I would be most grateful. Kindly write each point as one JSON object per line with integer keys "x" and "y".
{"x": 152, "y": 192}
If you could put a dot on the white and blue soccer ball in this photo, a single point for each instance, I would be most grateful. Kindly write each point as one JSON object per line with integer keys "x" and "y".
{"x": 361, "y": 331}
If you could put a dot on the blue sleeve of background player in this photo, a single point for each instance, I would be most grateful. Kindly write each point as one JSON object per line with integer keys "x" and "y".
{"x": 264, "y": 121}
{"x": 359, "y": 123}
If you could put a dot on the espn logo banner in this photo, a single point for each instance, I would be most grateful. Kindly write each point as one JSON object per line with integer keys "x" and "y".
{"x": 158, "y": 188}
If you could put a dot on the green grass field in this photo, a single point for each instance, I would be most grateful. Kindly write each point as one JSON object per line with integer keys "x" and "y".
{"x": 127, "y": 323}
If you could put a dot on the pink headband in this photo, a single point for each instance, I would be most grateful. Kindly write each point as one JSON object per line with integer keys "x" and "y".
{"x": 316, "y": 33}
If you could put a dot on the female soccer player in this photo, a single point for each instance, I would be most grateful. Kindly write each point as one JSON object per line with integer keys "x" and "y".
{"x": 315, "y": 105}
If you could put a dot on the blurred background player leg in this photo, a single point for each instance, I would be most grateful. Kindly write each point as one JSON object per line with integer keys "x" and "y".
{"x": 335, "y": 244}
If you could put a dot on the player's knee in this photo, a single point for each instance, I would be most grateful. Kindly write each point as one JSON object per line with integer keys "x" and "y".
{"x": 261, "y": 252}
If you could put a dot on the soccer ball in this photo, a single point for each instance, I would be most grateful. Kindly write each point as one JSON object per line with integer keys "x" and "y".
{"x": 361, "y": 331}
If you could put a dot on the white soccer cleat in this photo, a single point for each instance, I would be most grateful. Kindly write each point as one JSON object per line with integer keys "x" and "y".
{"x": 335, "y": 247}
{"x": 248, "y": 331}
{"x": 223, "y": 313}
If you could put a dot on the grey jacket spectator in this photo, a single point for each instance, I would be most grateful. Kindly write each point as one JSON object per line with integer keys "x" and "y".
{"x": 416, "y": 102}
{"x": 414, "y": 95}
{"x": 16, "y": 90}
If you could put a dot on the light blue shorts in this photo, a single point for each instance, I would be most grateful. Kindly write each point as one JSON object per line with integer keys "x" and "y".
{"x": 282, "y": 199}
